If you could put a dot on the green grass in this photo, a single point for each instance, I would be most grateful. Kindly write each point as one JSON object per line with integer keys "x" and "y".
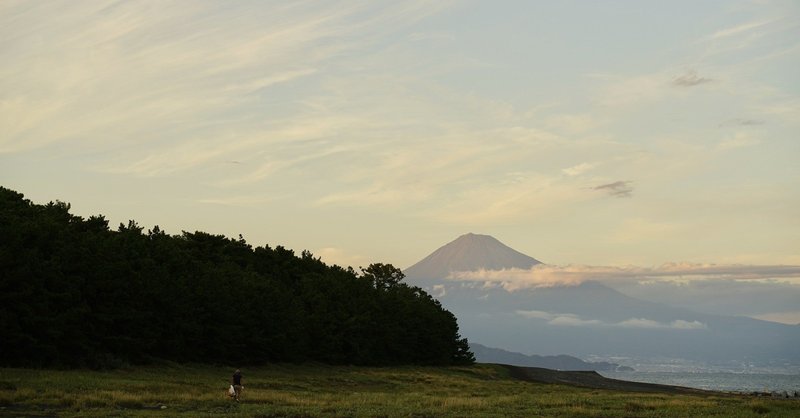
{"x": 319, "y": 390}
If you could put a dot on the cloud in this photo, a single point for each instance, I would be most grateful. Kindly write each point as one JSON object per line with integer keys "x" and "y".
{"x": 721, "y": 295}
{"x": 356, "y": 108}
{"x": 578, "y": 169}
{"x": 616, "y": 189}
{"x": 572, "y": 320}
{"x": 340, "y": 257}
{"x": 648, "y": 323}
{"x": 459, "y": 176}
{"x": 784, "y": 317}
{"x": 681, "y": 324}
{"x": 771, "y": 35}
{"x": 560, "y": 319}
{"x": 206, "y": 78}
{"x": 640, "y": 229}
{"x": 690, "y": 79}
{"x": 742, "y": 122}
{"x": 538, "y": 276}
{"x": 431, "y": 37}
{"x": 639, "y": 323}
{"x": 439, "y": 291}
{"x": 237, "y": 201}
{"x": 154, "y": 81}
{"x": 573, "y": 275}
{"x": 264, "y": 82}
{"x": 738, "y": 140}
{"x": 536, "y": 314}
{"x": 572, "y": 123}
{"x": 739, "y": 29}
{"x": 620, "y": 91}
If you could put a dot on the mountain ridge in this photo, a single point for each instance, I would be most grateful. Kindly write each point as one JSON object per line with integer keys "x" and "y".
{"x": 485, "y": 354}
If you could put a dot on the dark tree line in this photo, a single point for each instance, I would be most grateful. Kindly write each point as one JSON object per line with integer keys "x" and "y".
{"x": 75, "y": 293}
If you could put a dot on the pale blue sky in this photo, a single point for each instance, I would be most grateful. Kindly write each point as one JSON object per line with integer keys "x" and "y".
{"x": 378, "y": 131}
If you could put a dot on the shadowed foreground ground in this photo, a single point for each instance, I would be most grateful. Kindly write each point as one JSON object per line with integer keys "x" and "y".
{"x": 483, "y": 390}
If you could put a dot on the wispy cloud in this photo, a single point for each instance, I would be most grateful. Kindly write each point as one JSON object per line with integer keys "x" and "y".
{"x": 690, "y": 79}
{"x": 431, "y": 37}
{"x": 513, "y": 196}
{"x": 742, "y": 122}
{"x": 620, "y": 188}
{"x": 237, "y": 201}
{"x": 579, "y": 169}
{"x": 458, "y": 175}
{"x": 739, "y": 29}
{"x": 573, "y": 123}
{"x": 193, "y": 73}
{"x": 625, "y": 91}
{"x": 770, "y": 35}
{"x": 643, "y": 230}
{"x": 573, "y": 321}
{"x": 738, "y": 140}
{"x": 362, "y": 107}
{"x": 132, "y": 92}
{"x": 252, "y": 86}
{"x": 649, "y": 323}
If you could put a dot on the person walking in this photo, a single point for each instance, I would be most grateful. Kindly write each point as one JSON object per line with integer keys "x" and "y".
{"x": 237, "y": 384}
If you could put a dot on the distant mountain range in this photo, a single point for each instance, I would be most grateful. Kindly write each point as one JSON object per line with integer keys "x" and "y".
{"x": 484, "y": 354}
{"x": 589, "y": 319}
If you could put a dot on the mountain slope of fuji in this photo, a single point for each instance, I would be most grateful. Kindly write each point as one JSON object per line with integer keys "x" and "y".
{"x": 469, "y": 252}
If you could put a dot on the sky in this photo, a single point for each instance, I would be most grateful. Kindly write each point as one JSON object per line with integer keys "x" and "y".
{"x": 614, "y": 133}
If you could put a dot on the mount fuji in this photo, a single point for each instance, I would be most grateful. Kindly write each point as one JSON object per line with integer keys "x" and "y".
{"x": 470, "y": 252}
{"x": 588, "y": 319}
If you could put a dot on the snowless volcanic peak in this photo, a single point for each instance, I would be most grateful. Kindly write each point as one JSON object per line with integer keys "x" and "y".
{"x": 469, "y": 252}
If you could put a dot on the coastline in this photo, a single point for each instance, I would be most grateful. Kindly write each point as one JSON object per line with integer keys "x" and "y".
{"x": 594, "y": 380}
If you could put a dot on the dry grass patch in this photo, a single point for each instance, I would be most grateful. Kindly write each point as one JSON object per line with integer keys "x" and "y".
{"x": 323, "y": 391}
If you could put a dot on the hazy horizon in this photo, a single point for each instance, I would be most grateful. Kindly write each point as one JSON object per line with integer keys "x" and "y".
{"x": 626, "y": 135}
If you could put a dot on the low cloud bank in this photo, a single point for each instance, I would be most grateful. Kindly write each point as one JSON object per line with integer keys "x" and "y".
{"x": 572, "y": 320}
{"x": 573, "y": 275}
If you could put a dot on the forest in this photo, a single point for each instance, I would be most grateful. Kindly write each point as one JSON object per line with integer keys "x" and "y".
{"x": 76, "y": 293}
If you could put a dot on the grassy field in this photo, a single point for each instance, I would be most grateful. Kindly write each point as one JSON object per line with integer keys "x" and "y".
{"x": 318, "y": 390}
